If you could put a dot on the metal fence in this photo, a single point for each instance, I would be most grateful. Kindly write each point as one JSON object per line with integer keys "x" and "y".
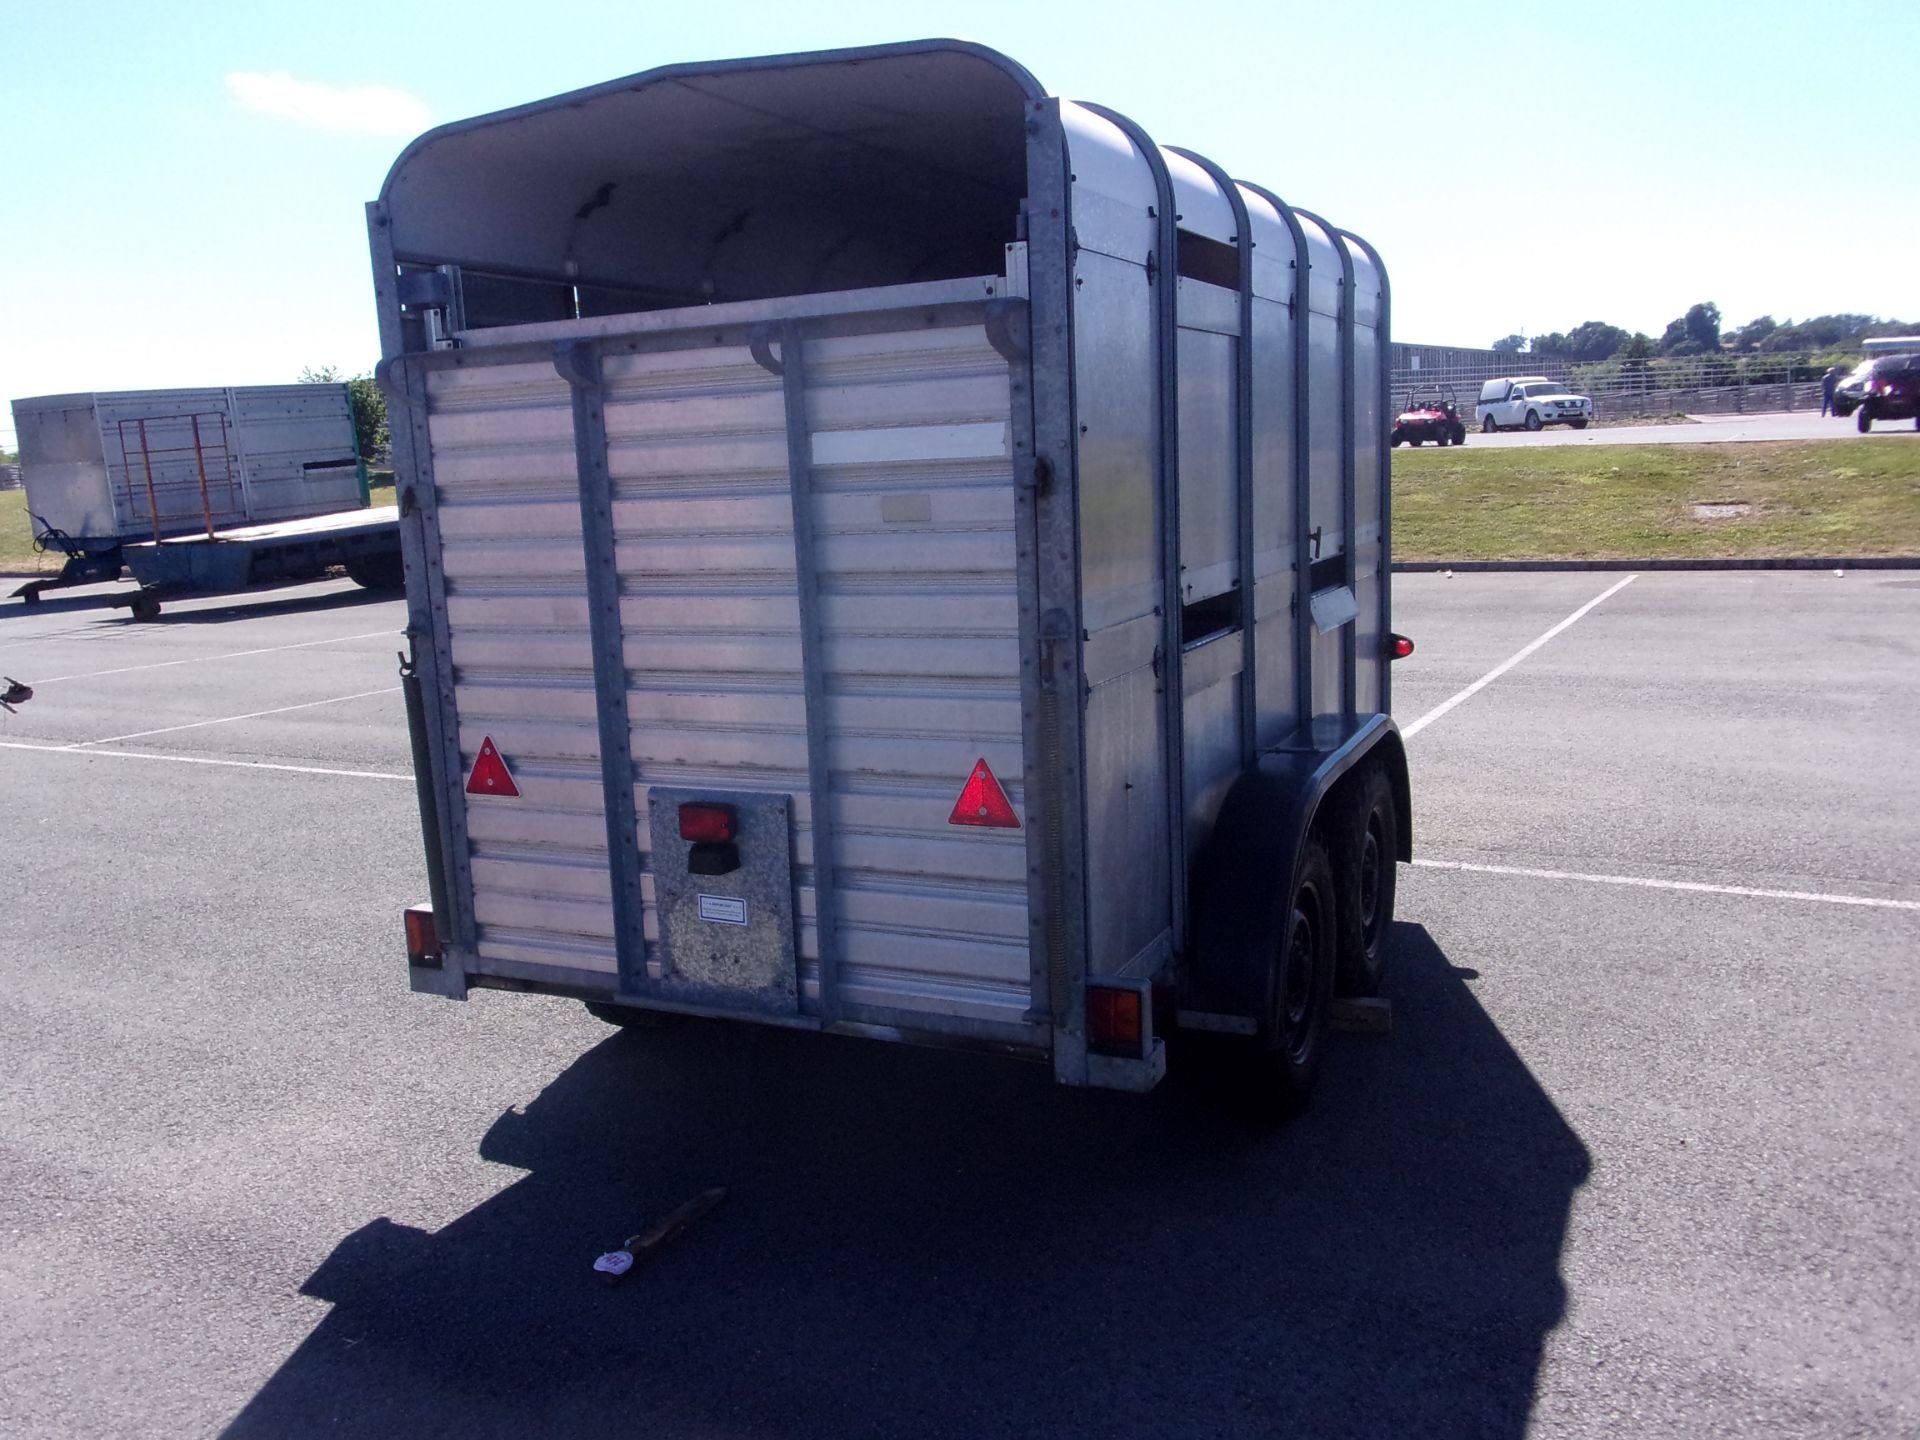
{"x": 1713, "y": 384}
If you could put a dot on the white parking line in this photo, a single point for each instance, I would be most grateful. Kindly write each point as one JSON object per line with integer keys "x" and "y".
{"x": 230, "y": 719}
{"x": 1695, "y": 886}
{"x": 205, "y": 659}
{"x": 1407, "y": 732}
{"x": 206, "y": 760}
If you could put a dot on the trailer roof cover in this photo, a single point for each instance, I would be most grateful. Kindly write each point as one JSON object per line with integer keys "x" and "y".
{"x": 735, "y": 180}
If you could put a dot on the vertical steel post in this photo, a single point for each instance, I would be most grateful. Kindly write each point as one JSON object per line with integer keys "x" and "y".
{"x": 1057, "y": 765}
{"x": 813, "y": 679}
{"x": 200, "y": 464}
{"x": 578, "y": 362}
{"x": 153, "y": 500}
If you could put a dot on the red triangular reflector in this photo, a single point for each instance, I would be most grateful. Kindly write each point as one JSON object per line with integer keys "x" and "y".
{"x": 983, "y": 802}
{"x": 490, "y": 774}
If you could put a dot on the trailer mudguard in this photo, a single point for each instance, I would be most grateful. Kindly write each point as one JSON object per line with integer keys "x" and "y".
{"x": 1243, "y": 875}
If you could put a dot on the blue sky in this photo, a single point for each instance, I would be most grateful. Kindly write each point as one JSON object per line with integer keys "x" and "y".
{"x": 185, "y": 185}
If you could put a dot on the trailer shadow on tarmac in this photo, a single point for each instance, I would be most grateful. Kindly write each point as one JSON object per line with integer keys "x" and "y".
{"x": 933, "y": 1243}
{"x": 197, "y": 608}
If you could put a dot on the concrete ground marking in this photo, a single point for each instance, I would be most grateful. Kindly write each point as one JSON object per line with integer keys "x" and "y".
{"x": 1648, "y": 883}
{"x": 206, "y": 760}
{"x": 1409, "y": 731}
{"x": 230, "y": 719}
{"x": 205, "y": 659}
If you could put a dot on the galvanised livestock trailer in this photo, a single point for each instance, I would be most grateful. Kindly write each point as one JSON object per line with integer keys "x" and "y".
{"x": 210, "y": 488}
{"x": 890, "y": 551}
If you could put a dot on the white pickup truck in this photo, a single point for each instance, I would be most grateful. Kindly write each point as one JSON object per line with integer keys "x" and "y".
{"x": 1532, "y": 401}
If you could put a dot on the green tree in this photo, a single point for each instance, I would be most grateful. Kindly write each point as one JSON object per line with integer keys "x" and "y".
{"x": 1634, "y": 356}
{"x": 1510, "y": 344}
{"x": 370, "y": 432}
{"x": 1753, "y": 334}
{"x": 1703, "y": 325}
{"x": 1595, "y": 340}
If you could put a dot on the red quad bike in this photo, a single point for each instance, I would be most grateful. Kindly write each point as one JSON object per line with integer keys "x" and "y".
{"x": 1431, "y": 414}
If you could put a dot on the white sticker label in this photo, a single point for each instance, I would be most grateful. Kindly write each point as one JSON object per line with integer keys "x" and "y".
{"x": 723, "y": 909}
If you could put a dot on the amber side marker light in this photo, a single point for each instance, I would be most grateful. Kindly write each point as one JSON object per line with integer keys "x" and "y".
{"x": 423, "y": 944}
{"x": 1116, "y": 1020}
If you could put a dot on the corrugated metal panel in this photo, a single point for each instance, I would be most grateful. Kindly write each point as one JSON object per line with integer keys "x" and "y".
{"x": 913, "y": 513}
{"x": 509, "y": 521}
{"x": 268, "y": 452}
{"x": 169, "y": 455}
{"x": 914, "y": 518}
{"x": 297, "y": 450}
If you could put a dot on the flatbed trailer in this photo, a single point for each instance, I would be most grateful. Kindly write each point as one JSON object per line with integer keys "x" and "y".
{"x": 207, "y": 489}
{"x": 366, "y": 543}
{"x": 893, "y": 552}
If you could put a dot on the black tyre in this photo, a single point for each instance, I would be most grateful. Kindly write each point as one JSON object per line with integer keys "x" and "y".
{"x": 1577, "y": 424}
{"x": 628, "y": 1018}
{"x": 145, "y": 607}
{"x": 1487, "y": 427}
{"x": 1533, "y": 419}
{"x": 1395, "y": 438}
{"x": 1414, "y": 439}
{"x": 385, "y": 571}
{"x": 1459, "y": 433}
{"x": 1442, "y": 436}
{"x": 1293, "y": 1024}
{"x": 1364, "y": 852}
{"x": 1865, "y": 420}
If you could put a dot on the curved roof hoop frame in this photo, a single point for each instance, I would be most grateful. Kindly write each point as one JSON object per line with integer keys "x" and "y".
{"x": 1242, "y": 445}
{"x": 1164, "y": 277}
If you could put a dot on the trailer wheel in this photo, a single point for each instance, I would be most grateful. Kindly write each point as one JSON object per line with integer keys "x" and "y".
{"x": 1293, "y": 1025}
{"x": 385, "y": 571}
{"x": 144, "y": 607}
{"x": 1365, "y": 874}
{"x": 629, "y": 1018}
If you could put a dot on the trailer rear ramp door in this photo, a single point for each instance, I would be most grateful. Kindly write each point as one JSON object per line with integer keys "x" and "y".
{"x": 812, "y": 534}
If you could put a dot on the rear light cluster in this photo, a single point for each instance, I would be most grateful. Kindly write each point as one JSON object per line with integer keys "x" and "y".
{"x": 713, "y": 829}
{"x": 707, "y": 824}
{"x": 1117, "y": 1019}
{"x": 1398, "y": 647}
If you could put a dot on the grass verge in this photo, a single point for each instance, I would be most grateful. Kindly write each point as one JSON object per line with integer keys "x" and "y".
{"x": 1634, "y": 502}
{"x": 1571, "y": 502}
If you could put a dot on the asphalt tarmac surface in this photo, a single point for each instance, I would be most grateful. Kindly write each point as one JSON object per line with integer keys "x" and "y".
{"x": 1637, "y": 1159}
{"x": 1701, "y": 430}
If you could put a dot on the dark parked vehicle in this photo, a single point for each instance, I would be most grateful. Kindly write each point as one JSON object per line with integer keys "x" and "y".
{"x": 1891, "y": 392}
{"x": 1431, "y": 414}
